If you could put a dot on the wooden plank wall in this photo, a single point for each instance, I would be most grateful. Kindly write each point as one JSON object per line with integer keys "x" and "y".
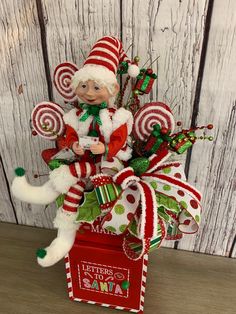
{"x": 195, "y": 42}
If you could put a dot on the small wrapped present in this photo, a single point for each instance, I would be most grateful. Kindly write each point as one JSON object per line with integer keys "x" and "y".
{"x": 106, "y": 190}
{"x": 159, "y": 138}
{"x": 182, "y": 141}
{"x": 145, "y": 81}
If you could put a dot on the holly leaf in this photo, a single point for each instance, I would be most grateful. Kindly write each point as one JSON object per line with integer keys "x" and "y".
{"x": 89, "y": 210}
{"x": 167, "y": 202}
{"x": 60, "y": 200}
{"x": 133, "y": 228}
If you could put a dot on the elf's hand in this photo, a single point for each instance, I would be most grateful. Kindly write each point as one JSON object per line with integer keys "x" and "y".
{"x": 98, "y": 148}
{"x": 77, "y": 149}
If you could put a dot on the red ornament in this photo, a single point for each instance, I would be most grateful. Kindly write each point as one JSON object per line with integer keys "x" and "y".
{"x": 164, "y": 130}
{"x": 149, "y": 71}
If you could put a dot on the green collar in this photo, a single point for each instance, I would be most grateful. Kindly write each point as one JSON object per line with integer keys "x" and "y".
{"x": 92, "y": 110}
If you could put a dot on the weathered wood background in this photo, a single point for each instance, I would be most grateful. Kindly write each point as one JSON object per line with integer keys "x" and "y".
{"x": 196, "y": 42}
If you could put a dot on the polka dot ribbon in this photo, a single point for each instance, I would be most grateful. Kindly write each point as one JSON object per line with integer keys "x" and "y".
{"x": 148, "y": 221}
{"x": 169, "y": 180}
{"x": 165, "y": 178}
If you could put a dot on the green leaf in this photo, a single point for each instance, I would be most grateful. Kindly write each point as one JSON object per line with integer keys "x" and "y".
{"x": 167, "y": 202}
{"x": 163, "y": 214}
{"x": 133, "y": 227}
{"x": 60, "y": 200}
{"x": 90, "y": 209}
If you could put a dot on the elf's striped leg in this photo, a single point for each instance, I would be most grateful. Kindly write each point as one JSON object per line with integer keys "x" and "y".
{"x": 83, "y": 169}
{"x": 64, "y": 177}
{"x": 73, "y": 197}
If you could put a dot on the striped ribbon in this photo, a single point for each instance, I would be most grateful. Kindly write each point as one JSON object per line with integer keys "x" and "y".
{"x": 155, "y": 221}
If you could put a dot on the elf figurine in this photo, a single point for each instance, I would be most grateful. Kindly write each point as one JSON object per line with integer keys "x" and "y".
{"x": 95, "y": 85}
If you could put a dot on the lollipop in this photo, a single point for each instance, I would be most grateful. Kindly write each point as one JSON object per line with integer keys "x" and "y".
{"x": 62, "y": 79}
{"x": 47, "y": 121}
{"x": 149, "y": 115}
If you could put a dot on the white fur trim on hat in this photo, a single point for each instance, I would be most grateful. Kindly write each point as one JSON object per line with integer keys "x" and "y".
{"x": 96, "y": 73}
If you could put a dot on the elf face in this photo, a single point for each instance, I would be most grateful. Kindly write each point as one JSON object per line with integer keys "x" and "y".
{"x": 92, "y": 93}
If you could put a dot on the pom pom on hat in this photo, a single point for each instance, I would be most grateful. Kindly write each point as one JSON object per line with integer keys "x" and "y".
{"x": 133, "y": 70}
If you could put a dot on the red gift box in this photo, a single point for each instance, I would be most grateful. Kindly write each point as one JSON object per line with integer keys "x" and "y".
{"x": 98, "y": 271}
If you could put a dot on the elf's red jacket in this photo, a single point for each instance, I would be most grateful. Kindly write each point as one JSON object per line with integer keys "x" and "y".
{"x": 113, "y": 132}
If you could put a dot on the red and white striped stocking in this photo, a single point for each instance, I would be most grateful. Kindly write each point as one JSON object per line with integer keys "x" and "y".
{"x": 82, "y": 169}
{"x": 75, "y": 193}
{"x": 73, "y": 197}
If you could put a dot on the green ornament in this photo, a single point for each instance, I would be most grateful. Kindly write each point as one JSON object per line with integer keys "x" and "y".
{"x": 125, "y": 284}
{"x": 55, "y": 163}
{"x": 41, "y": 253}
{"x": 20, "y": 172}
{"x": 140, "y": 165}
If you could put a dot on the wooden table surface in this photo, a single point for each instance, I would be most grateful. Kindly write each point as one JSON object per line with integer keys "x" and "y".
{"x": 178, "y": 282}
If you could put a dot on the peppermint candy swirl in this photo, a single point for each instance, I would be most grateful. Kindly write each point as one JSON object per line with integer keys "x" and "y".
{"x": 47, "y": 120}
{"x": 149, "y": 115}
{"x": 62, "y": 79}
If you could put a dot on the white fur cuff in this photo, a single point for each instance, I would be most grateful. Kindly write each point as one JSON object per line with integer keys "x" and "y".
{"x": 62, "y": 179}
{"x": 65, "y": 220}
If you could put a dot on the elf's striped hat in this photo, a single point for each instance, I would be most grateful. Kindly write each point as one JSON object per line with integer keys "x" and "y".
{"x": 103, "y": 61}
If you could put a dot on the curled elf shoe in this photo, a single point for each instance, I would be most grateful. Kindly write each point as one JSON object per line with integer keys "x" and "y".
{"x": 64, "y": 241}
{"x": 29, "y": 193}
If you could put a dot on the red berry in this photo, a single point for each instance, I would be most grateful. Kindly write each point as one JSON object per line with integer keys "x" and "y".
{"x": 210, "y": 126}
{"x": 179, "y": 123}
{"x": 164, "y": 130}
{"x": 149, "y": 71}
{"x": 34, "y": 133}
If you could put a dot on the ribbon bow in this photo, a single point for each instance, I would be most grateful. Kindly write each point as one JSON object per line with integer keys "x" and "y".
{"x": 92, "y": 110}
{"x": 129, "y": 182}
{"x": 178, "y": 205}
{"x": 136, "y": 191}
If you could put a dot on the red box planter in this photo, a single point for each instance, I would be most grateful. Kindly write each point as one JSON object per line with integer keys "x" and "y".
{"x": 98, "y": 272}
